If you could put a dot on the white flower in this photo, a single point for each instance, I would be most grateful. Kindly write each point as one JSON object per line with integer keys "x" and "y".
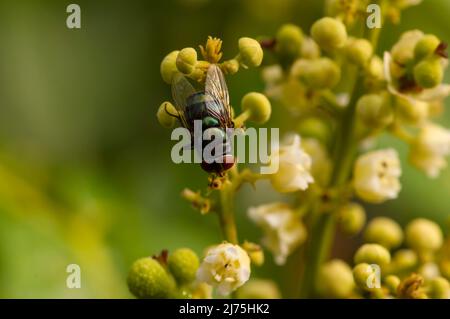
{"x": 291, "y": 165}
{"x": 283, "y": 229}
{"x": 376, "y": 176}
{"x": 429, "y": 149}
{"x": 226, "y": 266}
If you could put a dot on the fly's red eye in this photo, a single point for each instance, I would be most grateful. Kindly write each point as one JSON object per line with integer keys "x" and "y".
{"x": 227, "y": 163}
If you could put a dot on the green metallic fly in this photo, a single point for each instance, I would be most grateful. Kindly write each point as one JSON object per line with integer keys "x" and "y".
{"x": 211, "y": 107}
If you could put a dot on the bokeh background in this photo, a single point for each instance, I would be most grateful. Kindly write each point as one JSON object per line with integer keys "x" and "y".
{"x": 85, "y": 170}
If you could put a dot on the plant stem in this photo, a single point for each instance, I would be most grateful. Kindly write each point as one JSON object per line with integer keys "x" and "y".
{"x": 226, "y": 213}
{"x": 323, "y": 224}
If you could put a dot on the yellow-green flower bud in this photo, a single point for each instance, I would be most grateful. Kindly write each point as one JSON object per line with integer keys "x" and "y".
{"x": 186, "y": 60}
{"x": 183, "y": 264}
{"x": 423, "y": 235}
{"x": 358, "y": 51}
{"x": 169, "y": 67}
{"x": 364, "y": 276}
{"x": 329, "y": 33}
{"x": 372, "y": 254}
{"x": 411, "y": 111}
{"x": 404, "y": 260}
{"x": 314, "y": 127}
{"x": 322, "y": 73}
{"x": 258, "y": 289}
{"x": 352, "y": 218}
{"x": 439, "y": 288}
{"x": 403, "y": 50}
{"x": 426, "y": 46}
{"x": 148, "y": 279}
{"x": 255, "y": 252}
{"x": 428, "y": 73}
{"x": 163, "y": 115}
{"x": 428, "y": 270}
{"x": 335, "y": 280}
{"x": 375, "y": 68}
{"x": 310, "y": 49}
{"x": 374, "y": 111}
{"x": 250, "y": 52}
{"x": 384, "y": 231}
{"x": 258, "y": 106}
{"x": 392, "y": 282}
{"x": 289, "y": 40}
{"x": 230, "y": 66}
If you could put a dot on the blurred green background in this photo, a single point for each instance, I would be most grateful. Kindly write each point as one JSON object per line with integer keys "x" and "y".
{"x": 85, "y": 170}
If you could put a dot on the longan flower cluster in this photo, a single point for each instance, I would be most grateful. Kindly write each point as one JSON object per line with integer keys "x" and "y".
{"x": 393, "y": 263}
{"x": 342, "y": 94}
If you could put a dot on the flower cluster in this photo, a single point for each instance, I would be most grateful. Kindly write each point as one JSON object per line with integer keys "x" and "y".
{"x": 341, "y": 95}
{"x": 393, "y": 263}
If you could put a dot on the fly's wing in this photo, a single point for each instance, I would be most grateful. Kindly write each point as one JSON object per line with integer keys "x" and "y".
{"x": 181, "y": 91}
{"x": 216, "y": 87}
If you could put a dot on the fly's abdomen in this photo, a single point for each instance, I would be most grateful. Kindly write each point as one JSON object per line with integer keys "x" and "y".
{"x": 216, "y": 147}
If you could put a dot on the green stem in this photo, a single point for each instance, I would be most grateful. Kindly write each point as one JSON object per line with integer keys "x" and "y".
{"x": 226, "y": 213}
{"x": 323, "y": 224}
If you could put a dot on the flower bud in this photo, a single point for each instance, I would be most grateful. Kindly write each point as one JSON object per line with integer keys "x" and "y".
{"x": 186, "y": 60}
{"x": 183, "y": 264}
{"x": 335, "y": 280}
{"x": 423, "y": 235}
{"x": 358, "y": 51}
{"x": 411, "y": 111}
{"x": 404, "y": 260}
{"x": 439, "y": 288}
{"x": 258, "y": 289}
{"x": 314, "y": 127}
{"x": 428, "y": 73}
{"x": 250, "y": 52}
{"x": 230, "y": 66}
{"x": 258, "y": 105}
{"x": 374, "y": 111}
{"x": 255, "y": 252}
{"x": 319, "y": 73}
{"x": 163, "y": 115}
{"x": 351, "y": 218}
{"x": 426, "y": 46}
{"x": 372, "y": 254}
{"x": 429, "y": 270}
{"x": 148, "y": 279}
{"x": 364, "y": 276}
{"x": 392, "y": 282}
{"x": 376, "y": 68}
{"x": 289, "y": 40}
{"x": 310, "y": 49}
{"x": 329, "y": 33}
{"x": 384, "y": 231}
{"x": 168, "y": 66}
{"x": 403, "y": 50}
